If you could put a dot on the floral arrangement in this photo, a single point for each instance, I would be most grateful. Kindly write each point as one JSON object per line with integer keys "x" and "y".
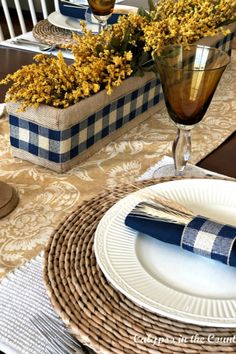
{"x": 104, "y": 60}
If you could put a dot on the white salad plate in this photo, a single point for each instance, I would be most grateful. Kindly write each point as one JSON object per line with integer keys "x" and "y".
{"x": 73, "y": 24}
{"x": 161, "y": 277}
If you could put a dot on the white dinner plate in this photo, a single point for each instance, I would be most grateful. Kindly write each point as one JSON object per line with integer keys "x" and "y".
{"x": 69, "y": 23}
{"x": 164, "y": 278}
{"x": 73, "y": 24}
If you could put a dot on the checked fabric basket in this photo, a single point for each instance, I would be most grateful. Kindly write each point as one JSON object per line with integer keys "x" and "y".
{"x": 61, "y": 138}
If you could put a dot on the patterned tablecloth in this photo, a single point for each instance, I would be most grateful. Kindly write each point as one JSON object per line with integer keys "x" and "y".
{"x": 46, "y": 197}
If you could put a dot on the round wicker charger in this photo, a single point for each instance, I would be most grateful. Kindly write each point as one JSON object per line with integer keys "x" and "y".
{"x": 100, "y": 316}
{"x": 47, "y": 33}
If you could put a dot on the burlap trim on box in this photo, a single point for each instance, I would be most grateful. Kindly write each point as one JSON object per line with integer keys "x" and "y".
{"x": 60, "y": 119}
{"x": 100, "y": 316}
{"x": 211, "y": 40}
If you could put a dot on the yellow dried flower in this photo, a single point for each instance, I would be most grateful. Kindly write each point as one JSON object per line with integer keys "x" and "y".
{"x": 105, "y": 60}
{"x": 185, "y": 21}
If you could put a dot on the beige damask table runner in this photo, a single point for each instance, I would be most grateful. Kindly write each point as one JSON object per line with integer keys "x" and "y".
{"x": 47, "y": 197}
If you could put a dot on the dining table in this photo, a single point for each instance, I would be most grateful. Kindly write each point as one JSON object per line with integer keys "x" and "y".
{"x": 46, "y": 197}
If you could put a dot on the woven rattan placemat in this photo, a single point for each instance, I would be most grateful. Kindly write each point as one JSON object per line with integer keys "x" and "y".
{"x": 100, "y": 316}
{"x": 47, "y": 33}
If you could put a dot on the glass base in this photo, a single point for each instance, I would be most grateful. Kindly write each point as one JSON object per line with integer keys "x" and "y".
{"x": 169, "y": 171}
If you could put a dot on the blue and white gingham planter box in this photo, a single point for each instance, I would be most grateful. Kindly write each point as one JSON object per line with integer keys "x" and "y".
{"x": 61, "y": 138}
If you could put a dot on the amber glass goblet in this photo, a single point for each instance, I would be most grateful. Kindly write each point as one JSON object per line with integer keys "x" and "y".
{"x": 189, "y": 77}
{"x": 102, "y": 10}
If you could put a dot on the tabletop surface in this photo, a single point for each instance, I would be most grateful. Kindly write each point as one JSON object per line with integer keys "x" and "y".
{"x": 47, "y": 197}
{"x": 222, "y": 160}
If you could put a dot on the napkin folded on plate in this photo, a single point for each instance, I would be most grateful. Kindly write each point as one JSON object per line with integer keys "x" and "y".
{"x": 170, "y": 222}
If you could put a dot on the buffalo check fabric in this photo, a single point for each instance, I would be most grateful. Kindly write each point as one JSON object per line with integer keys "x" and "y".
{"x": 209, "y": 238}
{"x": 202, "y": 236}
{"x": 63, "y": 145}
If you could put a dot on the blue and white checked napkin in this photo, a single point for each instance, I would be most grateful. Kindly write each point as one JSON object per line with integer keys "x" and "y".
{"x": 201, "y": 235}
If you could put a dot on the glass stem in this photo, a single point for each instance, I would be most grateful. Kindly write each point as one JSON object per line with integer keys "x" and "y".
{"x": 102, "y": 25}
{"x": 181, "y": 150}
